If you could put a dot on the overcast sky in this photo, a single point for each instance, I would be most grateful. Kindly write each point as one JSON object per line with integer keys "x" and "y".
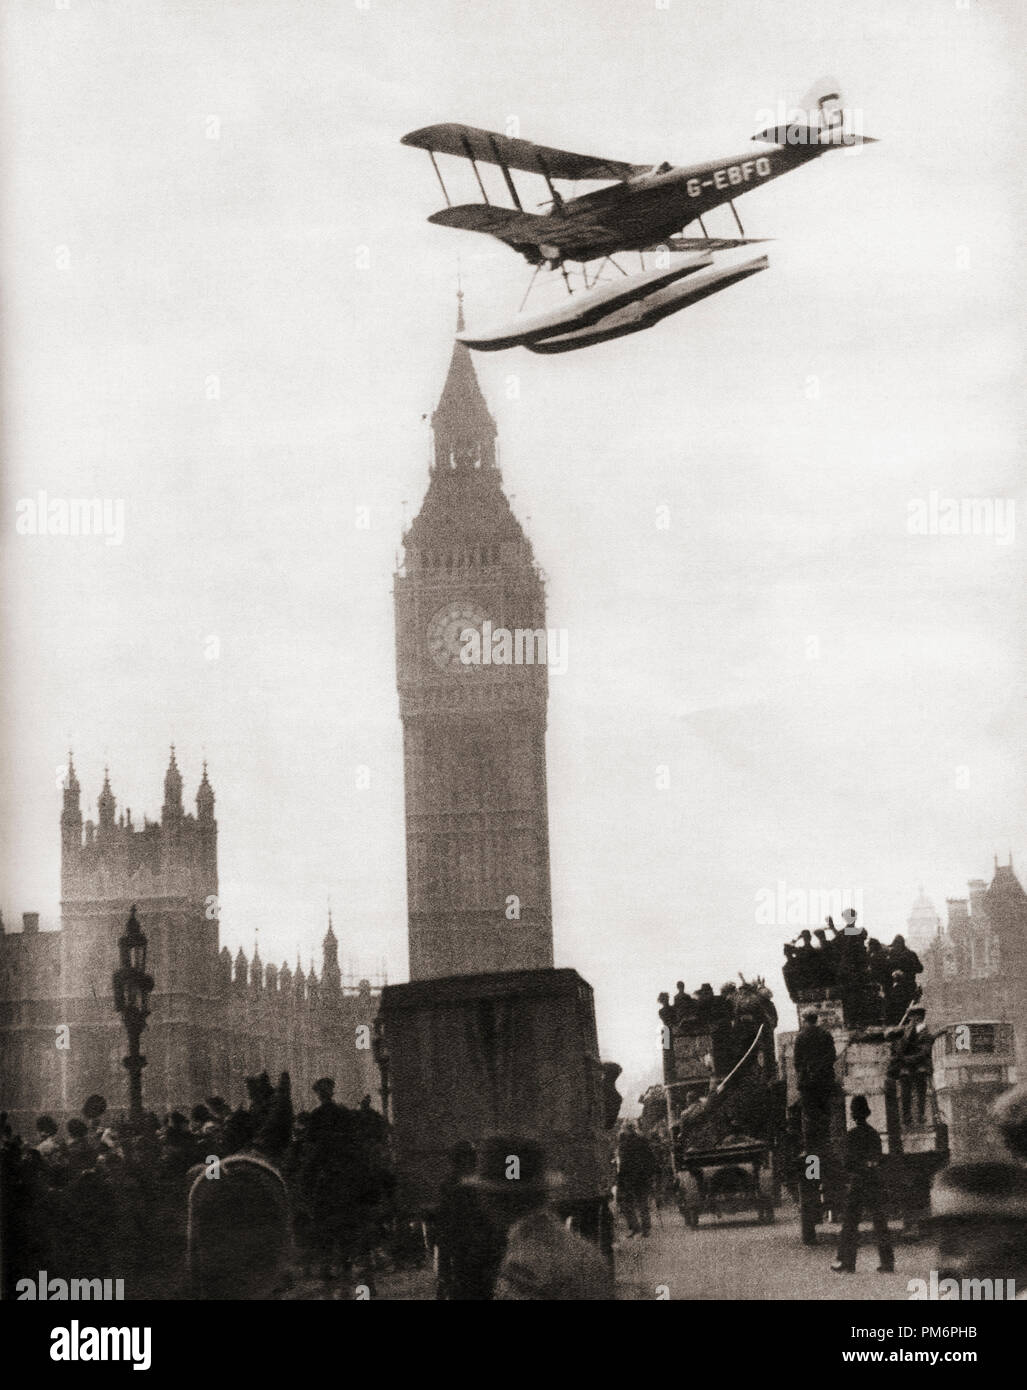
{"x": 224, "y": 307}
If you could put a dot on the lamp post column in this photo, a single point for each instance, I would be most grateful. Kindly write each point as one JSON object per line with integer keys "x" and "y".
{"x": 132, "y": 988}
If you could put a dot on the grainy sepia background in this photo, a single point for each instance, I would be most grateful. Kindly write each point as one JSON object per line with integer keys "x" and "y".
{"x": 224, "y": 308}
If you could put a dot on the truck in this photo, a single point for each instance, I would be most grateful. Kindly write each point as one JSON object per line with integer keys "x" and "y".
{"x": 508, "y": 1053}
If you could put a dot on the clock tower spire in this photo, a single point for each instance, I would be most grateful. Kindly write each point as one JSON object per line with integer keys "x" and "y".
{"x": 477, "y": 829}
{"x": 465, "y": 432}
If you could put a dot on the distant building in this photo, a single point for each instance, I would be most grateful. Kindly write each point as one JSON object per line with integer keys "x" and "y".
{"x": 976, "y": 969}
{"x": 474, "y": 735}
{"x": 214, "y": 1021}
{"x": 923, "y": 925}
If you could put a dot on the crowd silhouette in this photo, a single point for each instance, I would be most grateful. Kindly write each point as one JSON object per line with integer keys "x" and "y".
{"x": 110, "y": 1198}
{"x": 875, "y": 983}
{"x": 732, "y": 1019}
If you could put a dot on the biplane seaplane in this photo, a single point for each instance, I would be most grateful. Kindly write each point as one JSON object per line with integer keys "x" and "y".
{"x": 641, "y": 207}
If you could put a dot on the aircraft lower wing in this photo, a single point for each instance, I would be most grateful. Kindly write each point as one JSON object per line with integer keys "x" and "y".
{"x": 468, "y": 142}
{"x": 519, "y": 228}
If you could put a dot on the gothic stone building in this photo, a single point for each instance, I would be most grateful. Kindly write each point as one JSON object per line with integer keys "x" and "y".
{"x": 976, "y": 966}
{"x": 477, "y": 833}
{"x": 214, "y": 1021}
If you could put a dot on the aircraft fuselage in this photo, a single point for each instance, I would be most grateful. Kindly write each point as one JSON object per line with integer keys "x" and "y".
{"x": 644, "y": 210}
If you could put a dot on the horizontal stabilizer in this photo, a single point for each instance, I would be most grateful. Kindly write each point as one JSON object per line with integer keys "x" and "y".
{"x": 580, "y": 310}
{"x": 821, "y": 120}
{"x": 803, "y": 136}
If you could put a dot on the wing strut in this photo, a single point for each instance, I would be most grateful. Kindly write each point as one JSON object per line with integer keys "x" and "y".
{"x": 557, "y": 200}
{"x": 738, "y": 220}
{"x": 445, "y": 195}
{"x": 531, "y": 283}
{"x": 506, "y": 175}
{"x": 470, "y": 155}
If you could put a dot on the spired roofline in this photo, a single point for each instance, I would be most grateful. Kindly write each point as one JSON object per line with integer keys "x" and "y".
{"x": 464, "y": 430}
{"x": 465, "y": 515}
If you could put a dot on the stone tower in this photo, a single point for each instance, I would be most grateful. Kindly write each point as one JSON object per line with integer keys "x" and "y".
{"x": 923, "y": 925}
{"x": 474, "y": 734}
{"x": 168, "y": 868}
{"x": 210, "y": 1026}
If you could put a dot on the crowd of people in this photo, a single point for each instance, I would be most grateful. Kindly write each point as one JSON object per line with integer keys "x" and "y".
{"x": 103, "y": 1197}
{"x": 876, "y": 983}
{"x": 259, "y": 1201}
{"x": 731, "y": 1019}
{"x": 750, "y": 999}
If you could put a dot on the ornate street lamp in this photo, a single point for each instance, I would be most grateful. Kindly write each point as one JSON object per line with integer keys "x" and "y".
{"x": 132, "y": 988}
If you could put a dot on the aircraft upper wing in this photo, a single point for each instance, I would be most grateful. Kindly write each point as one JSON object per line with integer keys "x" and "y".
{"x": 467, "y": 142}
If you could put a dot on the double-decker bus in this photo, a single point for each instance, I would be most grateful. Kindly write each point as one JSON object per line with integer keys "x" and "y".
{"x": 973, "y": 1062}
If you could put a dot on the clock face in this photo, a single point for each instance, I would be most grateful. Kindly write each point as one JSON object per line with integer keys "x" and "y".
{"x": 444, "y": 634}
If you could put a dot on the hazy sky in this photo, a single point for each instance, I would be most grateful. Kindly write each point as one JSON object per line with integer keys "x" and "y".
{"x": 224, "y": 307}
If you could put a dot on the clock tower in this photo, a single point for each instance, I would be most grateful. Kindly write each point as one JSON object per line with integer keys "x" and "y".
{"x": 474, "y": 728}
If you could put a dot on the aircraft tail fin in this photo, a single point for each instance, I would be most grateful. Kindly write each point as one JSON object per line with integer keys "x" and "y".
{"x": 821, "y": 118}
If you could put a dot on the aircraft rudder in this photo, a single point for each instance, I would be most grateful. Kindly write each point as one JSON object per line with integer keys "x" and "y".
{"x": 823, "y": 118}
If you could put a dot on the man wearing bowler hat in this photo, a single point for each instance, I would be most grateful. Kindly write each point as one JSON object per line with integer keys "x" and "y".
{"x": 543, "y": 1260}
{"x": 863, "y": 1166}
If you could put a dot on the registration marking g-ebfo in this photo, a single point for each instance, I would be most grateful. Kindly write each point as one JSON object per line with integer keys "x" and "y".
{"x": 730, "y": 176}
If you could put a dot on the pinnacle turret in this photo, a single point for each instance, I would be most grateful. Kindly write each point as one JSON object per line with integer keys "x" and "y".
{"x": 71, "y": 811}
{"x": 106, "y": 804}
{"x": 331, "y": 976}
{"x": 205, "y": 798}
{"x": 172, "y": 790}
